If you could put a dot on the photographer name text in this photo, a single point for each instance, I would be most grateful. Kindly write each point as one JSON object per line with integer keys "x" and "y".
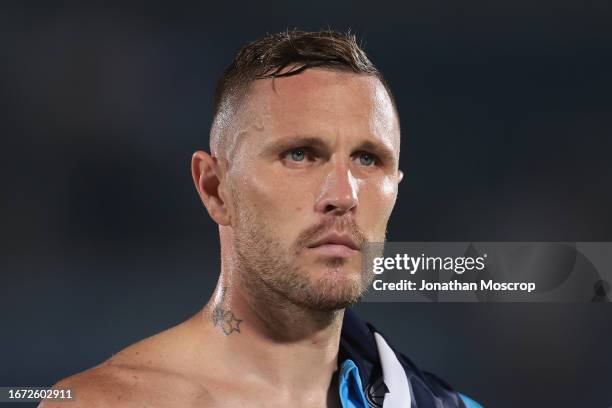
{"x": 454, "y": 285}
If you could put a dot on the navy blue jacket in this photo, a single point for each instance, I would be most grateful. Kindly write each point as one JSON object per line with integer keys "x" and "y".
{"x": 366, "y": 346}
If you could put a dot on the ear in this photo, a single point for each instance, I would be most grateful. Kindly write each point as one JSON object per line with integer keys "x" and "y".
{"x": 207, "y": 179}
{"x": 400, "y": 176}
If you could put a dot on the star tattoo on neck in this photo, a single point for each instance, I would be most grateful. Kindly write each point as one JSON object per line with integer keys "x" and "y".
{"x": 226, "y": 321}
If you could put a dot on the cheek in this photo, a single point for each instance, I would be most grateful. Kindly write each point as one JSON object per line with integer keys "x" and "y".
{"x": 377, "y": 199}
{"x": 279, "y": 201}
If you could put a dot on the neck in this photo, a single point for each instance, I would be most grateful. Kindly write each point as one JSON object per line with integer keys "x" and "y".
{"x": 278, "y": 342}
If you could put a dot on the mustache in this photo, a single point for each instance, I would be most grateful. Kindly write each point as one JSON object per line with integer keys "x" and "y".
{"x": 340, "y": 225}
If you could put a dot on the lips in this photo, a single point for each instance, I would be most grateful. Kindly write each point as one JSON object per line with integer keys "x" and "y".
{"x": 336, "y": 239}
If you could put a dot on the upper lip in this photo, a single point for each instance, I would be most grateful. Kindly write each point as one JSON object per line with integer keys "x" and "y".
{"x": 336, "y": 238}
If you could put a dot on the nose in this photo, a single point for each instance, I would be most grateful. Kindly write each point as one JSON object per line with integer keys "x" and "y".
{"x": 339, "y": 191}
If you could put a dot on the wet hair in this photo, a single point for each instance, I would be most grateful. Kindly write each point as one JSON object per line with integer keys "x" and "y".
{"x": 281, "y": 55}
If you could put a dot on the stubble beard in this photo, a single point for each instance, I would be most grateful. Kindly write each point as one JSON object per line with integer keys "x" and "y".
{"x": 271, "y": 270}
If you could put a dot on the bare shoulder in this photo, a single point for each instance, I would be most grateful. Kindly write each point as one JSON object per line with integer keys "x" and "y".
{"x": 151, "y": 373}
{"x": 118, "y": 386}
{"x": 96, "y": 387}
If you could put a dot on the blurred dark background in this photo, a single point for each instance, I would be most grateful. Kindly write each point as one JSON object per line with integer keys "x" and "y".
{"x": 506, "y": 112}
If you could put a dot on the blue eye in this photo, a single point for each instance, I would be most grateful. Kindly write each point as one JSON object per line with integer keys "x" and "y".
{"x": 298, "y": 154}
{"x": 366, "y": 159}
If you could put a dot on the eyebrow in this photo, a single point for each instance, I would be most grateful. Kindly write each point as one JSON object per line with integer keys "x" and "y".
{"x": 381, "y": 150}
{"x": 281, "y": 145}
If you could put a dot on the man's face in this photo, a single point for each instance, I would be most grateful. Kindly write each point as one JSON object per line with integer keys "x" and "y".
{"x": 313, "y": 177}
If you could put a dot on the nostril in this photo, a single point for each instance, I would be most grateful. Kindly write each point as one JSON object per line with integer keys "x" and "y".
{"x": 330, "y": 208}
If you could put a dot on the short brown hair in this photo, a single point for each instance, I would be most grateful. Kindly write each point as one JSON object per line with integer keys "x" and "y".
{"x": 269, "y": 56}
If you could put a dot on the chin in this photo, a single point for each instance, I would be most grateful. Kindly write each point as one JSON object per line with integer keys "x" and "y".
{"x": 338, "y": 266}
{"x": 335, "y": 301}
{"x": 337, "y": 288}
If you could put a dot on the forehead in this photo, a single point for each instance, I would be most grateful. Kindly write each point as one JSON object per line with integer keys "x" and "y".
{"x": 322, "y": 102}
